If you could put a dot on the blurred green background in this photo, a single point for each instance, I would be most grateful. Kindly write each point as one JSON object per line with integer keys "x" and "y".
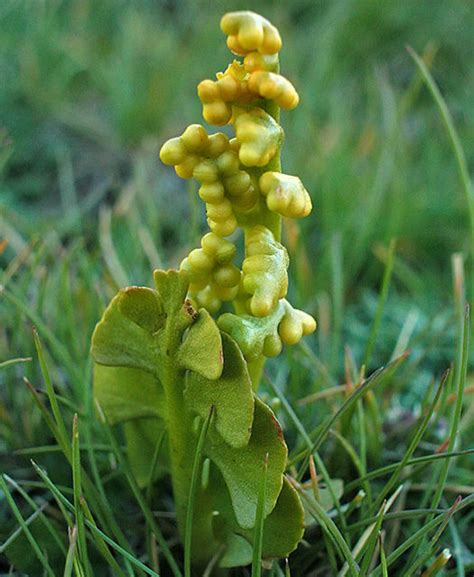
{"x": 89, "y": 90}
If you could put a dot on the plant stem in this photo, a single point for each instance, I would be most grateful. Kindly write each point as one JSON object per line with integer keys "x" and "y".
{"x": 270, "y": 219}
{"x": 182, "y": 447}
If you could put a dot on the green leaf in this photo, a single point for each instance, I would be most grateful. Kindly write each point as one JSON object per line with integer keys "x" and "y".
{"x": 141, "y": 436}
{"x": 284, "y": 527}
{"x": 238, "y": 552}
{"x": 201, "y": 351}
{"x": 240, "y": 467}
{"x": 144, "y": 307}
{"x": 144, "y": 337}
{"x": 126, "y": 393}
{"x": 231, "y": 396}
{"x": 172, "y": 285}
{"x": 119, "y": 341}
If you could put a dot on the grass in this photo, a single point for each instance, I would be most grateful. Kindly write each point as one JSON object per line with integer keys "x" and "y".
{"x": 382, "y": 140}
{"x": 196, "y": 474}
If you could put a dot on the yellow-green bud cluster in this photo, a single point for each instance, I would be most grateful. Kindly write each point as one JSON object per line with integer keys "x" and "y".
{"x": 250, "y": 32}
{"x": 266, "y": 335}
{"x": 213, "y": 160}
{"x": 294, "y": 325}
{"x": 241, "y": 84}
{"x": 241, "y": 186}
{"x": 285, "y": 194}
{"x": 273, "y": 87}
{"x": 259, "y": 135}
{"x": 218, "y": 96}
{"x": 213, "y": 277}
{"x": 264, "y": 271}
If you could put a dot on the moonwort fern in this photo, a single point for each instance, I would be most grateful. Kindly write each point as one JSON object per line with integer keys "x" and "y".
{"x": 169, "y": 357}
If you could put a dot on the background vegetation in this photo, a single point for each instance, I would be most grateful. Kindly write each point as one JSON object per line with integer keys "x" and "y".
{"x": 89, "y": 92}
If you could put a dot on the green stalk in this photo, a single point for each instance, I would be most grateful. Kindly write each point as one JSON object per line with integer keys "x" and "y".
{"x": 270, "y": 219}
{"x": 183, "y": 446}
{"x": 182, "y": 443}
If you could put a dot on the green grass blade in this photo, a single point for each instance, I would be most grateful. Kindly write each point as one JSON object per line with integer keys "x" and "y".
{"x": 456, "y": 146}
{"x": 12, "y": 362}
{"x": 438, "y": 564}
{"x": 337, "y": 292}
{"x": 423, "y": 556}
{"x": 459, "y": 547}
{"x": 370, "y": 382}
{"x": 154, "y": 463}
{"x": 195, "y": 475}
{"x": 456, "y": 416}
{"x": 59, "y": 349}
{"x": 46, "y": 522}
{"x": 365, "y": 546}
{"x": 78, "y": 497}
{"x": 383, "y": 558}
{"x": 362, "y": 460}
{"x": 374, "y": 329}
{"x": 319, "y": 462}
{"x": 128, "y": 556}
{"x": 405, "y": 514}
{"x": 355, "y": 459}
{"x": 322, "y": 518}
{"x": 111, "y": 258}
{"x": 368, "y": 551}
{"x": 71, "y": 553}
{"x": 94, "y": 495}
{"x": 413, "y": 444}
{"x": 147, "y": 512}
{"x": 61, "y": 427}
{"x": 50, "y": 422}
{"x": 34, "y": 545}
{"x": 100, "y": 496}
{"x": 419, "y": 535}
{"x": 317, "y": 495}
{"x": 18, "y": 531}
{"x": 65, "y": 504}
{"x": 101, "y": 545}
{"x": 259, "y": 520}
{"x": 425, "y": 460}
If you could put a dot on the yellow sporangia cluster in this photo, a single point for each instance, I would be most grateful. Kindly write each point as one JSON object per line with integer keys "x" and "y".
{"x": 242, "y": 187}
{"x": 213, "y": 160}
{"x": 285, "y": 194}
{"x": 213, "y": 276}
{"x": 239, "y": 85}
{"x": 264, "y": 271}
